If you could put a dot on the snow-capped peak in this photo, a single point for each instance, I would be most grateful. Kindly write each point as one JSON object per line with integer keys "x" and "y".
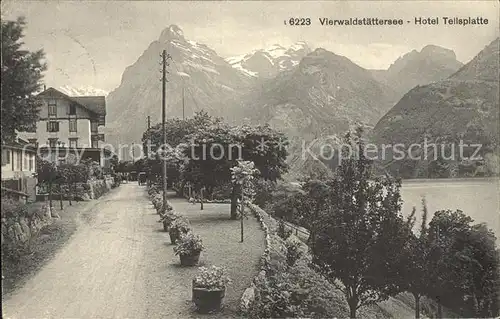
{"x": 172, "y": 32}
{"x": 267, "y": 62}
{"x": 82, "y": 91}
{"x": 176, "y": 30}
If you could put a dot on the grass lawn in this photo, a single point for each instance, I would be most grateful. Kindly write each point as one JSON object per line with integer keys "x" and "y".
{"x": 221, "y": 238}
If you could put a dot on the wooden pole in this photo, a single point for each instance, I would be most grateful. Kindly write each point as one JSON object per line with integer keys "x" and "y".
{"x": 163, "y": 123}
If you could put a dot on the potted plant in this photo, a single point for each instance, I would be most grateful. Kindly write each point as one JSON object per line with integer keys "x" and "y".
{"x": 179, "y": 226}
{"x": 189, "y": 247}
{"x": 168, "y": 218}
{"x": 209, "y": 289}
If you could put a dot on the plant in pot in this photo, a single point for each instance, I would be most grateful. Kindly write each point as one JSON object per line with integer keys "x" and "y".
{"x": 168, "y": 218}
{"x": 209, "y": 289}
{"x": 179, "y": 226}
{"x": 189, "y": 247}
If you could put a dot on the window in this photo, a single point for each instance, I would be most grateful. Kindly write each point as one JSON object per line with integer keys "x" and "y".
{"x": 95, "y": 144}
{"x": 52, "y": 126}
{"x": 5, "y": 157}
{"x": 93, "y": 127}
{"x": 31, "y": 160}
{"x": 52, "y": 107}
{"x": 72, "y": 109}
{"x": 72, "y": 125}
{"x": 73, "y": 142}
{"x": 19, "y": 158}
{"x": 53, "y": 142}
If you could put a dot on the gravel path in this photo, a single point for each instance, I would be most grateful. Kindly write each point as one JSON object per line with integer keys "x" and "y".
{"x": 119, "y": 264}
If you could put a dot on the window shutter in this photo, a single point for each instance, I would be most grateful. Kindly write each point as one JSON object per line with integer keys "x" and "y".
{"x": 48, "y": 127}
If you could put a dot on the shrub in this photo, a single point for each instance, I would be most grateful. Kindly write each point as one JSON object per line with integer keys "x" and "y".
{"x": 297, "y": 292}
{"x": 287, "y": 203}
{"x": 189, "y": 244}
{"x": 283, "y": 231}
{"x": 293, "y": 252}
{"x": 222, "y": 192}
{"x": 213, "y": 278}
{"x": 13, "y": 209}
{"x": 290, "y": 287}
{"x": 264, "y": 192}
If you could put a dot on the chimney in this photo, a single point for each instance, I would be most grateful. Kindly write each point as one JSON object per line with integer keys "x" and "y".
{"x": 44, "y": 87}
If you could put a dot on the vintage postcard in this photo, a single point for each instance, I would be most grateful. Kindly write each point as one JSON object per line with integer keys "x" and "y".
{"x": 250, "y": 159}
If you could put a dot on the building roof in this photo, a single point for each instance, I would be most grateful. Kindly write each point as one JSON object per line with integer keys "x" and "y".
{"x": 94, "y": 104}
{"x": 20, "y": 144}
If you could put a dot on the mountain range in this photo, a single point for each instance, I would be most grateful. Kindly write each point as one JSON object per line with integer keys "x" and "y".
{"x": 309, "y": 94}
{"x": 267, "y": 63}
{"x": 206, "y": 78}
{"x": 82, "y": 91}
{"x": 464, "y": 106}
{"x": 432, "y": 63}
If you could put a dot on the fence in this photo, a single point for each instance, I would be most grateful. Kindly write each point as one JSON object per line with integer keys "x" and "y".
{"x": 300, "y": 232}
{"x": 25, "y": 185}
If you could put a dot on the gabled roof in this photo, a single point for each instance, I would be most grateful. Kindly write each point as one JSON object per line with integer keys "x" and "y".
{"x": 19, "y": 143}
{"x": 94, "y": 104}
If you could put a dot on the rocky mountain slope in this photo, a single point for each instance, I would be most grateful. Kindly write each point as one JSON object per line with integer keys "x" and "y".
{"x": 431, "y": 64}
{"x": 267, "y": 63}
{"x": 206, "y": 78}
{"x": 324, "y": 94}
{"x": 465, "y": 106}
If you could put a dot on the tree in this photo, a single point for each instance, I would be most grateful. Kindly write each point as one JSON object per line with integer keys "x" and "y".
{"x": 72, "y": 174}
{"x": 414, "y": 264}
{"x": 362, "y": 232}
{"x": 266, "y": 148}
{"x": 312, "y": 204}
{"x": 114, "y": 162}
{"x": 438, "y": 168}
{"x": 465, "y": 265}
{"x": 21, "y": 79}
{"x": 47, "y": 176}
{"x": 177, "y": 131}
{"x": 243, "y": 176}
{"x": 210, "y": 156}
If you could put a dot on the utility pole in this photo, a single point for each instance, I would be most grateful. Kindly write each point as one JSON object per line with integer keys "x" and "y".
{"x": 183, "y": 113}
{"x": 149, "y": 122}
{"x": 163, "y": 124}
{"x": 133, "y": 153}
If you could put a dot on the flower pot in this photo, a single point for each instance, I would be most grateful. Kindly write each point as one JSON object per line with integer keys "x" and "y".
{"x": 208, "y": 301}
{"x": 190, "y": 260}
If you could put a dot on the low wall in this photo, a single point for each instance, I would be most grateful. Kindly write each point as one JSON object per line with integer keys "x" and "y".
{"x": 93, "y": 189}
{"x": 273, "y": 245}
{"x": 99, "y": 187}
{"x": 18, "y": 230}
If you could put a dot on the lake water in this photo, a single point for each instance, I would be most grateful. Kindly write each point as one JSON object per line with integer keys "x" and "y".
{"x": 478, "y": 198}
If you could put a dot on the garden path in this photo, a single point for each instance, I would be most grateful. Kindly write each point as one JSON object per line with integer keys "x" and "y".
{"x": 120, "y": 264}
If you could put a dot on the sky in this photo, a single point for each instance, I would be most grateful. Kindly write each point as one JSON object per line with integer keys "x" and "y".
{"x": 90, "y": 43}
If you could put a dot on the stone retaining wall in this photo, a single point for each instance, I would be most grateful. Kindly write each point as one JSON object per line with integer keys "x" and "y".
{"x": 18, "y": 231}
{"x": 273, "y": 243}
